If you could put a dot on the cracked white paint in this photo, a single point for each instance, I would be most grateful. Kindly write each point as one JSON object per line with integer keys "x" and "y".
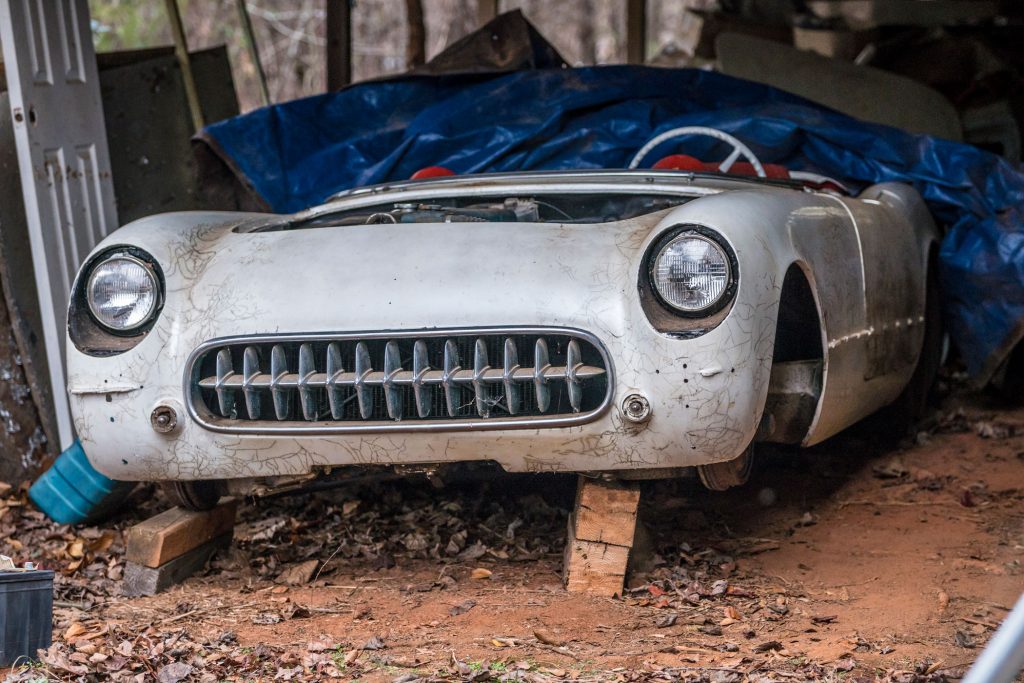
{"x": 706, "y": 393}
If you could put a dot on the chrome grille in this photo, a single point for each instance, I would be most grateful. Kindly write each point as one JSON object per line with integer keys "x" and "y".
{"x": 428, "y": 380}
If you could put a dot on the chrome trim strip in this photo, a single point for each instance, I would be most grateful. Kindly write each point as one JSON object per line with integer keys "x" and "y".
{"x": 214, "y": 423}
{"x": 560, "y": 178}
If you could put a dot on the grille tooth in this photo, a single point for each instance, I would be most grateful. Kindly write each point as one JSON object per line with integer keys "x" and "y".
{"x": 307, "y": 394}
{"x": 392, "y": 368}
{"x": 541, "y": 363}
{"x": 335, "y": 369}
{"x": 334, "y": 379}
{"x": 278, "y": 377}
{"x": 573, "y": 362}
{"x": 420, "y": 366}
{"x": 509, "y": 366}
{"x": 480, "y": 368}
{"x": 364, "y": 367}
{"x": 225, "y": 395}
{"x": 451, "y": 367}
{"x": 250, "y": 370}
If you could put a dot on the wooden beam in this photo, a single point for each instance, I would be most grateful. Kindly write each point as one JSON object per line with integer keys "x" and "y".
{"x": 254, "y": 50}
{"x": 174, "y": 532}
{"x": 602, "y": 528}
{"x": 636, "y": 31}
{"x": 416, "y": 41}
{"x": 487, "y": 10}
{"x": 141, "y": 580}
{"x": 185, "y": 63}
{"x": 339, "y": 44}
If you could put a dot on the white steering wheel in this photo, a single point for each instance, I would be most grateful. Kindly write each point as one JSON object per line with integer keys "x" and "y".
{"x": 738, "y": 148}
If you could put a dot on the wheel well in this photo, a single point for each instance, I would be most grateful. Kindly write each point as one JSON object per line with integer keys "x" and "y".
{"x": 797, "y": 363}
{"x": 798, "y": 334}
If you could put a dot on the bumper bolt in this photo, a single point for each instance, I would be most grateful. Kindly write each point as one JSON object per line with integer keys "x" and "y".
{"x": 164, "y": 419}
{"x": 636, "y": 408}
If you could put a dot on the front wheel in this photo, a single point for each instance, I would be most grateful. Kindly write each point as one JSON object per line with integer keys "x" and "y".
{"x": 197, "y": 496}
{"x": 719, "y": 476}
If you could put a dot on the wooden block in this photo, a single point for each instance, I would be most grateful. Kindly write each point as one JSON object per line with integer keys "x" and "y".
{"x": 597, "y": 568}
{"x": 601, "y": 532}
{"x": 175, "y": 532}
{"x": 141, "y": 580}
{"x": 606, "y": 511}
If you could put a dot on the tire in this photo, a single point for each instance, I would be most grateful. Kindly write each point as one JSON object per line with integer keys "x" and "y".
{"x": 197, "y": 496}
{"x": 719, "y": 476}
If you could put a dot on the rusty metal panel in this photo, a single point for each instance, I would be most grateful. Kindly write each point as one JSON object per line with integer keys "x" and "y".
{"x": 19, "y": 291}
{"x": 62, "y": 156}
{"x": 149, "y": 127}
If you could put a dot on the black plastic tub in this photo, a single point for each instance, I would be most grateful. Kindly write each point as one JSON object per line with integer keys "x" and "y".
{"x": 26, "y": 614}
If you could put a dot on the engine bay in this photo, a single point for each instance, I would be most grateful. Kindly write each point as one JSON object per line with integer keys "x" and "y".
{"x": 565, "y": 208}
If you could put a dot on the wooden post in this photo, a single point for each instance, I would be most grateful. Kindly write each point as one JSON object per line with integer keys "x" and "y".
{"x": 486, "y": 10}
{"x": 636, "y": 31}
{"x": 254, "y": 50}
{"x": 339, "y": 44}
{"x": 170, "y": 547}
{"x": 184, "y": 61}
{"x": 602, "y": 527}
{"x": 416, "y": 43}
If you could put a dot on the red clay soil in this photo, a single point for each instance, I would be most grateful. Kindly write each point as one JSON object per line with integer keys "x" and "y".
{"x": 854, "y": 560}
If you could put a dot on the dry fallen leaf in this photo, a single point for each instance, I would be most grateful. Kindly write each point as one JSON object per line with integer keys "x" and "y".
{"x": 480, "y": 573}
{"x": 557, "y": 673}
{"x": 462, "y": 607}
{"x": 74, "y": 631}
{"x": 547, "y": 637}
{"x": 732, "y": 613}
{"x": 299, "y": 574}
{"x": 76, "y": 549}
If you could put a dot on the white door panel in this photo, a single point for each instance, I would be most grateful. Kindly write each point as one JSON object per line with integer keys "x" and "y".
{"x": 62, "y": 156}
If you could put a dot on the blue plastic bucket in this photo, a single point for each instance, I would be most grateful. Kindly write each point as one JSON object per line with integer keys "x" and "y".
{"x": 71, "y": 491}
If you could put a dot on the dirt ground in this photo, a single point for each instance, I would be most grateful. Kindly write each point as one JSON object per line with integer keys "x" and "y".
{"x": 854, "y": 560}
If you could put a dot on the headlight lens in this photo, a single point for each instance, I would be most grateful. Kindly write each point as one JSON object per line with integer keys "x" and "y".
{"x": 691, "y": 272}
{"x": 122, "y": 293}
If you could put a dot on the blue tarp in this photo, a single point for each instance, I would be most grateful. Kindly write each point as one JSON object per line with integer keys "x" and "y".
{"x": 298, "y": 153}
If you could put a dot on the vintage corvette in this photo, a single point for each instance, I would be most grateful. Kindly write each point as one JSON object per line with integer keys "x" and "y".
{"x": 636, "y": 323}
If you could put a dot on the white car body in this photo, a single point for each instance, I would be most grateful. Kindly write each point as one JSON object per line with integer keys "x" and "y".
{"x": 863, "y": 258}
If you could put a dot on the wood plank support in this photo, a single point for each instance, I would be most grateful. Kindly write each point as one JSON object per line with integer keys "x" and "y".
{"x": 170, "y": 547}
{"x": 141, "y": 580}
{"x": 602, "y": 528}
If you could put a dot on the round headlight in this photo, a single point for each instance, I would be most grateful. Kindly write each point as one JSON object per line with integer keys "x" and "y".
{"x": 123, "y": 293}
{"x": 691, "y": 273}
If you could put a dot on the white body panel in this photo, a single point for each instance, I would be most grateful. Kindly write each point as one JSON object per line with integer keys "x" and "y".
{"x": 62, "y": 156}
{"x": 707, "y": 393}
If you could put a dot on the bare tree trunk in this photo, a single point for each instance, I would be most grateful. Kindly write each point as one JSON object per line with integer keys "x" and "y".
{"x": 415, "y": 47}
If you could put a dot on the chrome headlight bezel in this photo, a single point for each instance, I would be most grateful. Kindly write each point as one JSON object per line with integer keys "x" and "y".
{"x": 713, "y": 238}
{"x": 87, "y": 330}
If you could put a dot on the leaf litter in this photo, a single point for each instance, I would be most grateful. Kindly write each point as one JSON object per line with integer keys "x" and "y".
{"x": 698, "y": 605}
